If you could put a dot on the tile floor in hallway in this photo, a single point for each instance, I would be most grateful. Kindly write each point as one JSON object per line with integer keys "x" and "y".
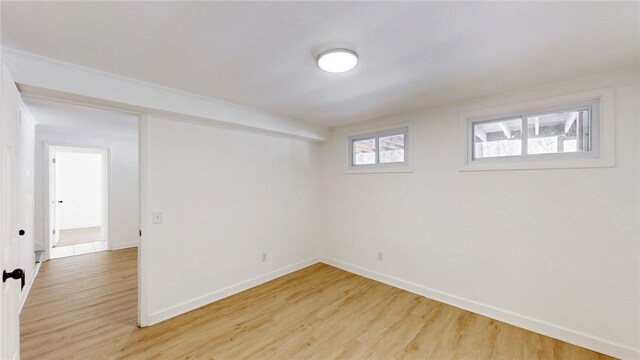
{"x": 78, "y": 249}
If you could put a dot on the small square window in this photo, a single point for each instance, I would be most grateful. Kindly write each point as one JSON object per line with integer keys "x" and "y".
{"x": 364, "y": 152}
{"x": 497, "y": 138}
{"x": 392, "y": 148}
{"x": 385, "y": 149}
{"x": 559, "y": 132}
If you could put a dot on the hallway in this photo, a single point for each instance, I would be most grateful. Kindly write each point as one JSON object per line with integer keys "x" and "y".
{"x": 81, "y": 306}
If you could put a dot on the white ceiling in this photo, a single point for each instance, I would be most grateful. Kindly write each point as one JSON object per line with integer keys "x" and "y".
{"x": 413, "y": 55}
{"x": 63, "y": 118}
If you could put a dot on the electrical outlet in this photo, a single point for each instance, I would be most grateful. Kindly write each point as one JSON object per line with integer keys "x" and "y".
{"x": 157, "y": 217}
{"x": 264, "y": 257}
{"x": 380, "y": 256}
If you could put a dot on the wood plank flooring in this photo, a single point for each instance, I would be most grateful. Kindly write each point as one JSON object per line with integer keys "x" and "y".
{"x": 84, "y": 307}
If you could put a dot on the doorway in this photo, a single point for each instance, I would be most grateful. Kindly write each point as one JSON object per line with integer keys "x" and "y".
{"x": 78, "y": 201}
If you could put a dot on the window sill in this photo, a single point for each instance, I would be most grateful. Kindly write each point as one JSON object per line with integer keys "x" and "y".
{"x": 539, "y": 165}
{"x": 605, "y": 157}
{"x": 380, "y": 170}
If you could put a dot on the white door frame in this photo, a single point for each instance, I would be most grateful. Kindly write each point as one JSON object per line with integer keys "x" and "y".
{"x": 144, "y": 213}
{"x": 50, "y": 150}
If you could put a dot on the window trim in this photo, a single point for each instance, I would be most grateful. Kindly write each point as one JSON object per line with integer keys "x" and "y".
{"x": 602, "y": 153}
{"x": 592, "y": 105}
{"x": 404, "y": 166}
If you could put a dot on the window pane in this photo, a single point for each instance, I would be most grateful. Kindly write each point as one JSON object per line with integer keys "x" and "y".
{"x": 558, "y": 132}
{"x": 391, "y": 148}
{"x": 364, "y": 152}
{"x": 497, "y": 138}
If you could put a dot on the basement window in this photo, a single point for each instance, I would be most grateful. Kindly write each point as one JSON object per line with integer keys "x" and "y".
{"x": 384, "y": 150}
{"x": 558, "y": 133}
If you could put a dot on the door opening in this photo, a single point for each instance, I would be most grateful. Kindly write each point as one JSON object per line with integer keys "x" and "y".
{"x": 78, "y": 201}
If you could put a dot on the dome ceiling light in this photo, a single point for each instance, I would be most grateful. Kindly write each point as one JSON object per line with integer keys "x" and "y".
{"x": 337, "y": 60}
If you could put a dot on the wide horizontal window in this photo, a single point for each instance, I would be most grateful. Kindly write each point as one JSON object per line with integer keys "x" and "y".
{"x": 537, "y": 134}
{"x": 378, "y": 150}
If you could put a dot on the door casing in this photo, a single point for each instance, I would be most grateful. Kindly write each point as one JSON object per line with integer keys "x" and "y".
{"x": 52, "y": 218}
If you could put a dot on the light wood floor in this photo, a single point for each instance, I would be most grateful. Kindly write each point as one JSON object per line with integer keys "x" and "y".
{"x": 79, "y": 236}
{"x": 84, "y": 307}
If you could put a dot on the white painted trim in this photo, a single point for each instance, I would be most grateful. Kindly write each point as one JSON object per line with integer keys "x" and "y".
{"x": 405, "y": 167}
{"x": 50, "y": 149}
{"x": 381, "y": 170}
{"x": 606, "y": 128}
{"x": 144, "y": 208}
{"x": 124, "y": 245}
{"x": 522, "y": 321}
{"x": 47, "y": 195}
{"x": 41, "y": 76}
{"x": 525, "y": 322}
{"x": 228, "y": 291}
{"x": 28, "y": 285}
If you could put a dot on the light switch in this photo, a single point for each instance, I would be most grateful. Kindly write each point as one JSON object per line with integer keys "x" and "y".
{"x": 157, "y": 217}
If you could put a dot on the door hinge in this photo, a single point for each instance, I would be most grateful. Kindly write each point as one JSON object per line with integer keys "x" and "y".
{"x": 140, "y": 231}
{"x": 54, "y": 160}
{"x": 54, "y": 231}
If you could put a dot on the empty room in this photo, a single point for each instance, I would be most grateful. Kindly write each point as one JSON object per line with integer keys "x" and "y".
{"x": 320, "y": 180}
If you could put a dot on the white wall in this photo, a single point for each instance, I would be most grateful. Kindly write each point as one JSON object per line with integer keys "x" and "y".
{"x": 79, "y": 185}
{"x": 552, "y": 250}
{"x": 109, "y": 133}
{"x": 226, "y": 196}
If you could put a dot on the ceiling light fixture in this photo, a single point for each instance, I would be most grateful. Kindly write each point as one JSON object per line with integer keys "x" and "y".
{"x": 337, "y": 60}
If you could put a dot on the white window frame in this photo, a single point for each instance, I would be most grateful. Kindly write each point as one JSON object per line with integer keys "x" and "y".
{"x": 592, "y": 106}
{"x": 602, "y": 130}
{"x": 404, "y": 166}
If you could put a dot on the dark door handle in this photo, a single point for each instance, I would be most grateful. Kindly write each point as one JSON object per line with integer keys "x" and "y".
{"x": 15, "y": 275}
{"x": 59, "y": 201}
{"x": 21, "y": 232}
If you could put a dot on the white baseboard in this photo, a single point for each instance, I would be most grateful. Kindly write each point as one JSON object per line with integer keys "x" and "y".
{"x": 124, "y": 245}
{"x": 525, "y": 322}
{"x": 28, "y": 285}
{"x": 226, "y": 292}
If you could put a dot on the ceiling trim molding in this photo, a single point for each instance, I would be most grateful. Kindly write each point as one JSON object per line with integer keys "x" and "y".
{"x": 41, "y": 76}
